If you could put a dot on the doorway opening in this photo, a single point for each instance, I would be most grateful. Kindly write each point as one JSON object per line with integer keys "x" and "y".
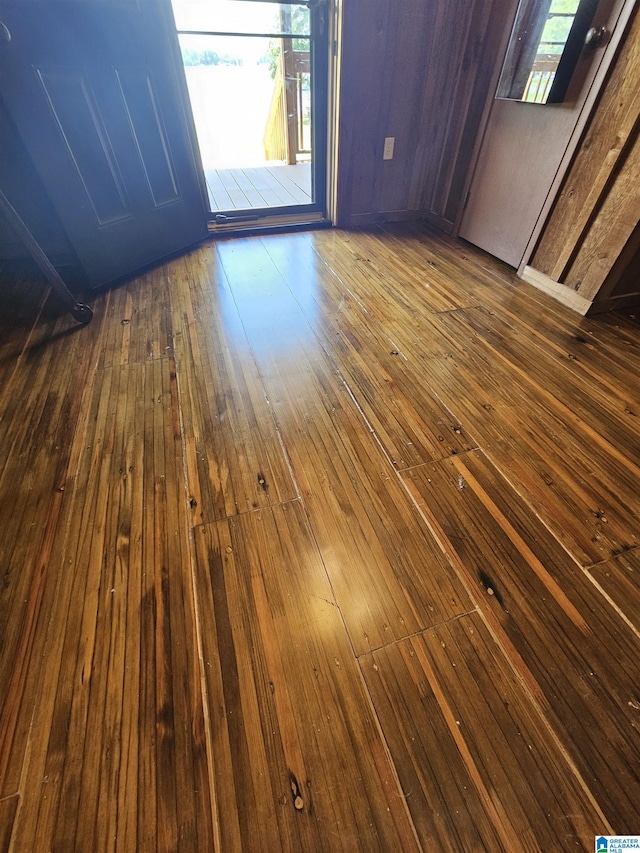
{"x": 256, "y": 75}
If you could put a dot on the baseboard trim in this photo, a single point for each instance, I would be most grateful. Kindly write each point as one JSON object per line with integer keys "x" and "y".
{"x": 560, "y": 292}
{"x": 363, "y": 220}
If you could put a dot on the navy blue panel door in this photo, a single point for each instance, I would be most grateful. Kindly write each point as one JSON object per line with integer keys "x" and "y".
{"x": 96, "y": 94}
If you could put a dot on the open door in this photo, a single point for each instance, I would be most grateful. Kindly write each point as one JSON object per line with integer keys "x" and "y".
{"x": 256, "y": 72}
{"x": 95, "y": 94}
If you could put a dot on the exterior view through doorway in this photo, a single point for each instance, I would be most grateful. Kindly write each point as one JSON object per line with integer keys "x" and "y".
{"x": 256, "y": 75}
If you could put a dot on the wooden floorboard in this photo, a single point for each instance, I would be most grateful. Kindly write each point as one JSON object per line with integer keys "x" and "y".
{"x": 540, "y": 603}
{"x": 318, "y": 541}
{"x": 413, "y": 424}
{"x": 235, "y": 459}
{"x": 547, "y": 452}
{"x": 282, "y": 748}
{"x": 511, "y": 788}
{"x": 405, "y": 586}
{"x": 116, "y": 728}
{"x": 39, "y": 417}
{"x": 619, "y": 579}
{"x": 8, "y": 809}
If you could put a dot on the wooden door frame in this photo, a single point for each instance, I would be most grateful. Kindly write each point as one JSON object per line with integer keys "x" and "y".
{"x": 322, "y": 67}
{"x": 334, "y": 18}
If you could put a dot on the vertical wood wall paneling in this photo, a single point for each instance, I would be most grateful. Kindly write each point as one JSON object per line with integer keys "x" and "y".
{"x": 421, "y": 73}
{"x": 467, "y": 74}
{"x": 411, "y": 33}
{"x": 364, "y": 37}
{"x": 597, "y": 210}
{"x": 432, "y": 109}
{"x": 610, "y": 231}
{"x": 484, "y": 50}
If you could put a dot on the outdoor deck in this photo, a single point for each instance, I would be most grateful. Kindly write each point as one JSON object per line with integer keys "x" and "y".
{"x": 266, "y": 186}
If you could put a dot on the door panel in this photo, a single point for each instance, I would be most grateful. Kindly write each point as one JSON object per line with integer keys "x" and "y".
{"x": 73, "y": 107}
{"x": 521, "y": 153}
{"x": 94, "y": 93}
{"x": 150, "y": 136}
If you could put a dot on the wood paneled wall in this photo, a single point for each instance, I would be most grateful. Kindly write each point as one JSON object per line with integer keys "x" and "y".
{"x": 420, "y": 72}
{"x": 594, "y": 223}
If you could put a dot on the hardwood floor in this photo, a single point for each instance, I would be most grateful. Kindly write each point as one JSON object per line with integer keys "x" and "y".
{"x": 319, "y": 541}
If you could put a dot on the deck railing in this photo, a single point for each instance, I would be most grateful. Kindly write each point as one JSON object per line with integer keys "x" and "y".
{"x": 284, "y": 136}
{"x": 275, "y": 134}
{"x": 541, "y": 78}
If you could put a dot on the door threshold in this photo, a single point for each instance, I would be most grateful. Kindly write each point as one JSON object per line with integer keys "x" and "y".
{"x": 278, "y": 222}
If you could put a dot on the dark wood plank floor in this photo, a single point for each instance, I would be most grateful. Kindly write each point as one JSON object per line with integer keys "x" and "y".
{"x": 323, "y": 541}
